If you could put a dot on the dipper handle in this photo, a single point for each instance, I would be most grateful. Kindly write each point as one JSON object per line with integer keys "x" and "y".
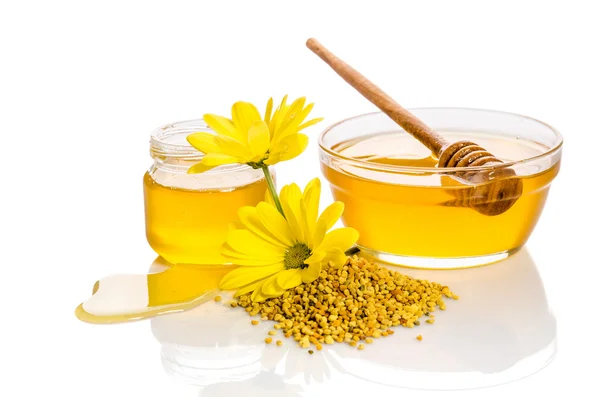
{"x": 493, "y": 192}
{"x": 409, "y": 122}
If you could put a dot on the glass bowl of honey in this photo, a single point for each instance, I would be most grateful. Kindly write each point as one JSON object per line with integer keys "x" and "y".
{"x": 188, "y": 215}
{"x": 410, "y": 212}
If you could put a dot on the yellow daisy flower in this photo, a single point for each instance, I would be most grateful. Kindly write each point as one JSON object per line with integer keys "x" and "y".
{"x": 276, "y": 252}
{"x": 247, "y": 138}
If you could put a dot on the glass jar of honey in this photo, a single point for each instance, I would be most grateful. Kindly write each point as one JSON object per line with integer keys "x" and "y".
{"x": 188, "y": 215}
{"x": 410, "y": 212}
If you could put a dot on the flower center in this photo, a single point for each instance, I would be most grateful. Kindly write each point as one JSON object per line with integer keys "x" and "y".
{"x": 296, "y": 255}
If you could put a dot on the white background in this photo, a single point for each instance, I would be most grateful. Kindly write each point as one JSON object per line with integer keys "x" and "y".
{"x": 82, "y": 84}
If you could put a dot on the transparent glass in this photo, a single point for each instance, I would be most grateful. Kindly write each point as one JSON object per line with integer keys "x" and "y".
{"x": 188, "y": 215}
{"x": 410, "y": 212}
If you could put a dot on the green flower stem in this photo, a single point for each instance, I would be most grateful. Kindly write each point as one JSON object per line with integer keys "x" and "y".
{"x": 271, "y": 185}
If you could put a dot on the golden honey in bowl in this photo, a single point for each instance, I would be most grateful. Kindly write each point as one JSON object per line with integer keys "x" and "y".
{"x": 188, "y": 215}
{"x": 405, "y": 208}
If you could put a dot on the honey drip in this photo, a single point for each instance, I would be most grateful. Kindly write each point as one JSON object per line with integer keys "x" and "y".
{"x": 131, "y": 297}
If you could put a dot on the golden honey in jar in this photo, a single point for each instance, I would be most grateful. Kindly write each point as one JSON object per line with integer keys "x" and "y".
{"x": 188, "y": 215}
{"x": 410, "y": 212}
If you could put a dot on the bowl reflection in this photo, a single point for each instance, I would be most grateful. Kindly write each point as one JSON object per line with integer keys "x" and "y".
{"x": 499, "y": 331}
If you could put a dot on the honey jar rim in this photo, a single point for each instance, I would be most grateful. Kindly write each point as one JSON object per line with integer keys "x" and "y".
{"x": 184, "y": 152}
{"x": 436, "y": 170}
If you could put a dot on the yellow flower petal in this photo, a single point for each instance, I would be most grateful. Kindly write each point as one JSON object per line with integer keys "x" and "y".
{"x": 230, "y": 252}
{"x": 270, "y": 287}
{"x": 244, "y": 114}
{"x": 309, "y": 123}
{"x": 199, "y": 168}
{"x": 204, "y": 142}
{"x": 342, "y": 239}
{"x": 296, "y": 144}
{"x": 331, "y": 214}
{"x": 316, "y": 257}
{"x": 309, "y": 206}
{"x": 277, "y": 118}
{"x": 222, "y": 125}
{"x": 336, "y": 256}
{"x": 250, "y": 262}
{"x": 275, "y": 222}
{"x": 318, "y": 236}
{"x": 287, "y": 149}
{"x": 289, "y": 278}
{"x": 215, "y": 159}
{"x": 245, "y": 275}
{"x": 258, "y": 139}
{"x": 290, "y": 201}
{"x": 290, "y": 120}
{"x": 233, "y": 147}
{"x": 311, "y": 273}
{"x": 258, "y": 296}
{"x": 268, "y": 111}
{"x": 252, "y": 221}
{"x": 303, "y": 222}
{"x": 240, "y": 259}
{"x": 273, "y": 159}
{"x": 246, "y": 242}
{"x": 249, "y": 288}
{"x": 311, "y": 198}
{"x": 292, "y": 112}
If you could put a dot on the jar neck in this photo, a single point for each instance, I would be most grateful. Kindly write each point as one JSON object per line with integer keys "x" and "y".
{"x": 173, "y": 156}
{"x": 172, "y": 152}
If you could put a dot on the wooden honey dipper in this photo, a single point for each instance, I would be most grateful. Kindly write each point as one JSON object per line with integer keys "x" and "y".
{"x": 494, "y": 190}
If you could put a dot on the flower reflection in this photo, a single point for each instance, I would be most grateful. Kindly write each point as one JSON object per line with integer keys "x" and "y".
{"x": 499, "y": 331}
{"x": 210, "y": 343}
{"x": 263, "y": 385}
{"x": 216, "y": 347}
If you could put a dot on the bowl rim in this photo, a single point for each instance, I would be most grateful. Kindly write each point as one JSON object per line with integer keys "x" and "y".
{"x": 413, "y": 169}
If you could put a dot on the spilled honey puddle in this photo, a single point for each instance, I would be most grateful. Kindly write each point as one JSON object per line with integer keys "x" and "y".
{"x": 130, "y": 297}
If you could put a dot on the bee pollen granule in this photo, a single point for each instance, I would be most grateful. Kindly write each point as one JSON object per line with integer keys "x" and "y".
{"x": 356, "y": 302}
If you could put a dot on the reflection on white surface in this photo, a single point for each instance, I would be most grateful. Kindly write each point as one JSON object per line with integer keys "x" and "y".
{"x": 209, "y": 344}
{"x": 216, "y": 347}
{"x": 499, "y": 331}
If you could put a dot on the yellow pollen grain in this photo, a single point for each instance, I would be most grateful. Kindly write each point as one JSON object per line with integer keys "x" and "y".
{"x": 355, "y": 304}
